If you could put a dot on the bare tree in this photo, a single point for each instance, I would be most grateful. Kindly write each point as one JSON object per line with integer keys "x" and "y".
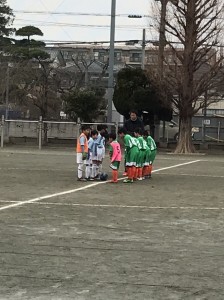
{"x": 196, "y": 67}
{"x": 36, "y": 79}
{"x": 77, "y": 75}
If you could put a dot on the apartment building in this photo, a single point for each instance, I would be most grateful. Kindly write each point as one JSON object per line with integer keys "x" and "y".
{"x": 125, "y": 54}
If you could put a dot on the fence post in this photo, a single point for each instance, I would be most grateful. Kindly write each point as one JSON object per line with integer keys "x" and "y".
{"x": 40, "y": 133}
{"x": 2, "y": 131}
{"x": 203, "y": 131}
{"x": 167, "y": 135}
{"x": 219, "y": 128}
{"x": 78, "y": 128}
{"x": 116, "y": 127}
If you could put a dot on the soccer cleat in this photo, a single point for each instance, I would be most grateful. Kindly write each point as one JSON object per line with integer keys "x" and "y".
{"x": 128, "y": 181}
{"x": 82, "y": 179}
{"x": 125, "y": 174}
{"x": 112, "y": 181}
{"x": 140, "y": 178}
{"x": 90, "y": 179}
{"x": 97, "y": 177}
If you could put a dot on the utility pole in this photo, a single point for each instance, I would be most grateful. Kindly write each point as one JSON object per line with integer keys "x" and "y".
{"x": 162, "y": 45}
{"x": 204, "y": 117}
{"x": 7, "y": 94}
{"x": 143, "y": 49}
{"x": 162, "y": 36}
{"x": 111, "y": 63}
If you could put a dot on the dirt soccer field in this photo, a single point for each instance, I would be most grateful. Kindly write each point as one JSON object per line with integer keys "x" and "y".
{"x": 157, "y": 239}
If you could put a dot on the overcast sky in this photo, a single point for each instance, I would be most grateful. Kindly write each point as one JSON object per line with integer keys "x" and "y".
{"x": 84, "y": 28}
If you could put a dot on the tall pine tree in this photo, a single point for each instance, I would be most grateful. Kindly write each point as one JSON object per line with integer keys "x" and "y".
{"x": 6, "y": 21}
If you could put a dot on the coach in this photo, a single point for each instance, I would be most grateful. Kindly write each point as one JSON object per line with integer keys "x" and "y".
{"x": 133, "y": 123}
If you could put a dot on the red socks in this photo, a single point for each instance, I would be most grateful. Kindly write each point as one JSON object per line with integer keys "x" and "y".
{"x": 114, "y": 175}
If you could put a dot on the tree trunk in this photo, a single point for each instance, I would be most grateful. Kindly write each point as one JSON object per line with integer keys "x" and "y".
{"x": 185, "y": 144}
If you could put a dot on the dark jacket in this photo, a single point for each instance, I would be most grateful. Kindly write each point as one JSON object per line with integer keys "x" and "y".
{"x": 130, "y": 125}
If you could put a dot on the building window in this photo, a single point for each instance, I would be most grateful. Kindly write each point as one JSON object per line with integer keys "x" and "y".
{"x": 96, "y": 55}
{"x": 211, "y": 112}
{"x": 82, "y": 54}
{"x": 135, "y": 57}
{"x": 103, "y": 56}
{"x": 117, "y": 56}
{"x": 66, "y": 54}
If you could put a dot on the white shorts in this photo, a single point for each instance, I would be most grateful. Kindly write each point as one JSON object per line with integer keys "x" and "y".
{"x": 89, "y": 160}
{"x": 79, "y": 159}
{"x": 100, "y": 152}
{"x": 103, "y": 152}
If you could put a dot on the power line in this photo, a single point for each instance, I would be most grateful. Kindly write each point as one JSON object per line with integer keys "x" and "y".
{"x": 90, "y": 14}
{"x": 79, "y": 14}
{"x": 49, "y": 23}
{"x": 96, "y": 42}
{"x": 53, "y": 17}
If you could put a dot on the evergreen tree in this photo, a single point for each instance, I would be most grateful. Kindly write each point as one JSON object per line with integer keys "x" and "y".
{"x": 6, "y": 21}
{"x": 137, "y": 89}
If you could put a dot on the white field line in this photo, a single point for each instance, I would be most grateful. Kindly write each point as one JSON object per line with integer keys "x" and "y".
{"x": 20, "y": 203}
{"x": 38, "y": 170}
{"x": 195, "y": 175}
{"x": 8, "y": 201}
{"x": 179, "y": 165}
{"x": 130, "y": 206}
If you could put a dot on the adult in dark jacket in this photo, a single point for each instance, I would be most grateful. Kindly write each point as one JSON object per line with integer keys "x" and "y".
{"x": 133, "y": 123}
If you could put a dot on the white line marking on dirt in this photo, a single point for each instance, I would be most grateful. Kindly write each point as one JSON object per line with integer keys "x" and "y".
{"x": 8, "y": 201}
{"x": 32, "y": 170}
{"x": 50, "y": 196}
{"x": 72, "y": 170}
{"x": 175, "y": 166}
{"x": 130, "y": 206}
{"x": 82, "y": 188}
{"x": 195, "y": 175}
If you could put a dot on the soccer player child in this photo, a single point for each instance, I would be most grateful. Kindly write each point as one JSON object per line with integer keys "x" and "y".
{"x": 94, "y": 154}
{"x": 100, "y": 147}
{"x": 131, "y": 153}
{"x": 89, "y": 166}
{"x": 153, "y": 148}
{"x": 82, "y": 151}
{"x": 142, "y": 145}
{"x": 115, "y": 156}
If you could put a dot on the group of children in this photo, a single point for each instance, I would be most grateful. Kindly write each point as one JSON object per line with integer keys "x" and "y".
{"x": 140, "y": 152}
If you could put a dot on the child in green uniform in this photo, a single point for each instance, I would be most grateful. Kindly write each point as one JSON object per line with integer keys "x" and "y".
{"x": 131, "y": 154}
{"x": 142, "y": 145}
{"x": 146, "y": 167}
{"x": 153, "y": 148}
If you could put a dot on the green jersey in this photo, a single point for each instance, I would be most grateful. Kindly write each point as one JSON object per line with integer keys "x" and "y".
{"x": 129, "y": 142}
{"x": 142, "y": 144}
{"x": 151, "y": 143}
{"x": 131, "y": 150}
